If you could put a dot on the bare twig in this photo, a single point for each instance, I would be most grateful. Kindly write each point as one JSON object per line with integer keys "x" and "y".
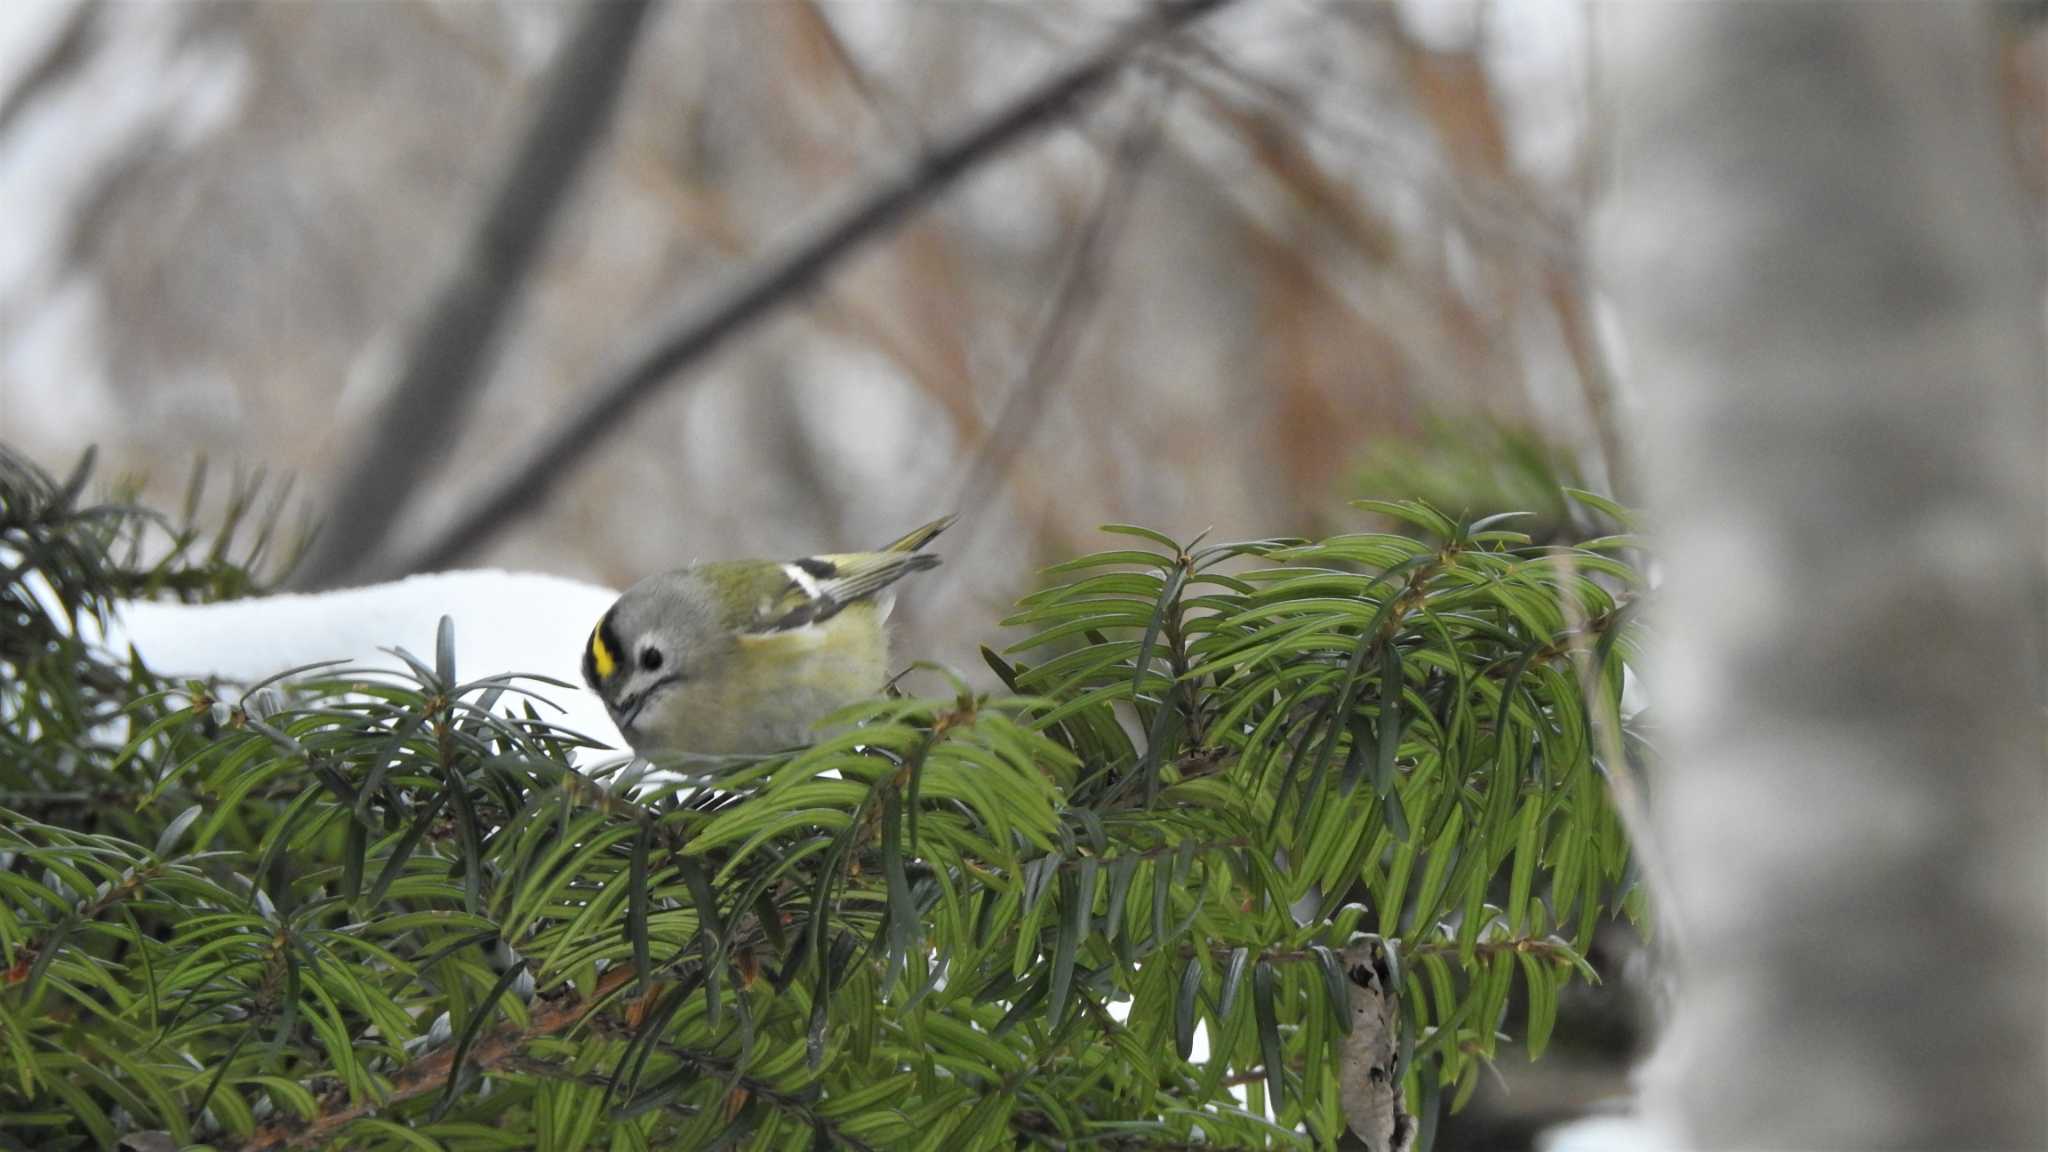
{"x": 1482, "y": 206}
{"x": 888, "y": 109}
{"x": 1460, "y": 105}
{"x": 450, "y": 355}
{"x": 781, "y": 278}
{"x": 1435, "y": 331}
{"x": 1072, "y": 300}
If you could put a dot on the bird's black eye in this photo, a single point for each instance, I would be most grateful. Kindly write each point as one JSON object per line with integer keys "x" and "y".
{"x": 650, "y": 658}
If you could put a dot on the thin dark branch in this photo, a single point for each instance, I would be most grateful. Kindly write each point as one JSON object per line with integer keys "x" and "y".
{"x": 451, "y": 353}
{"x": 781, "y": 278}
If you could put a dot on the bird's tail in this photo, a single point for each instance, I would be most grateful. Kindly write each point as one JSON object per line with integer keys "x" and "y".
{"x": 918, "y": 537}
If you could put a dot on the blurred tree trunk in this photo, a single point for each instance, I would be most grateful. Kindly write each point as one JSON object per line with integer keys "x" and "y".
{"x": 1830, "y": 291}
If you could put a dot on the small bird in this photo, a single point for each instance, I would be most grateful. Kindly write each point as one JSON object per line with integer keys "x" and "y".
{"x": 745, "y": 656}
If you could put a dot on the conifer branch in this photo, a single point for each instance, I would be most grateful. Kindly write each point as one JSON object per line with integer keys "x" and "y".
{"x": 365, "y": 854}
{"x": 430, "y": 1074}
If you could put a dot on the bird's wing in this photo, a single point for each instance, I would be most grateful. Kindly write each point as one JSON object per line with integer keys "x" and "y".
{"x": 820, "y": 586}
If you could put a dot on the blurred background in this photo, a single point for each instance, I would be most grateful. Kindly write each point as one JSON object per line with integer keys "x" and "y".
{"x": 1297, "y": 234}
{"x": 1291, "y": 254}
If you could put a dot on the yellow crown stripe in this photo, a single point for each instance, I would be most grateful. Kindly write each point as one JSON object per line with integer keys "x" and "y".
{"x": 600, "y": 656}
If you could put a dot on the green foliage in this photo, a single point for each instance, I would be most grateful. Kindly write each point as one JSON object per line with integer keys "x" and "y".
{"x": 1478, "y": 466}
{"x": 382, "y": 911}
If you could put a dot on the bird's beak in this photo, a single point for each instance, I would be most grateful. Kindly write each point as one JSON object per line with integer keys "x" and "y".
{"x": 627, "y": 709}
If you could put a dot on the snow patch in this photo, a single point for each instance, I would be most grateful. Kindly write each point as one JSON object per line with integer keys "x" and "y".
{"x": 504, "y": 622}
